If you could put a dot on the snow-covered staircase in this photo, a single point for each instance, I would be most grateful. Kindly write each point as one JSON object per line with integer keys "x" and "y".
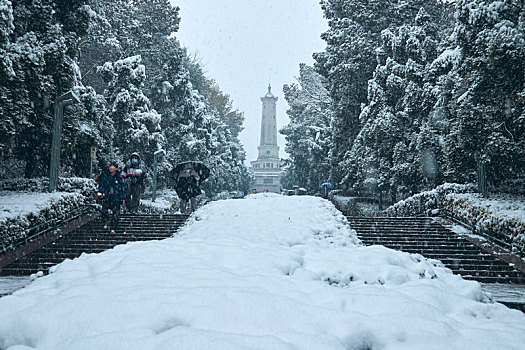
{"x": 432, "y": 240}
{"x": 94, "y": 238}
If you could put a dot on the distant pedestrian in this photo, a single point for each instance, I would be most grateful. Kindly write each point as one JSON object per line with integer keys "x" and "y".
{"x": 112, "y": 192}
{"x": 135, "y": 173}
{"x": 326, "y": 187}
{"x": 188, "y": 176}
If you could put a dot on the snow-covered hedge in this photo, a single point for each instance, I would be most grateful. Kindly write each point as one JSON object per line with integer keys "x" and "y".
{"x": 42, "y": 206}
{"x": 426, "y": 201}
{"x": 500, "y": 217}
{"x": 65, "y": 184}
{"x": 167, "y": 202}
{"x": 14, "y": 228}
{"x": 160, "y": 206}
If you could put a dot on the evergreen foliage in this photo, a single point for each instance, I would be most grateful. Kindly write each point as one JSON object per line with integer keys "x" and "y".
{"x": 135, "y": 82}
{"x": 308, "y": 135}
{"x": 38, "y": 48}
{"x": 420, "y": 97}
{"x": 486, "y": 103}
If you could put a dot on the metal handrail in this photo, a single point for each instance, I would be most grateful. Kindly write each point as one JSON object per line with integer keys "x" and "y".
{"x": 49, "y": 225}
{"x": 494, "y": 237}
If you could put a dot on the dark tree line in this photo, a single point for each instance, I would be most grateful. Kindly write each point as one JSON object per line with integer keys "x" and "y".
{"x": 421, "y": 92}
{"x": 140, "y": 90}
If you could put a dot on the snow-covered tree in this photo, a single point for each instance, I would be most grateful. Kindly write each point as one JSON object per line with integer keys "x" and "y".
{"x": 308, "y": 135}
{"x": 191, "y": 114}
{"x": 400, "y": 96}
{"x": 137, "y": 126}
{"x": 123, "y": 60}
{"x": 223, "y": 105}
{"x": 38, "y": 47}
{"x": 486, "y": 103}
{"x": 350, "y": 59}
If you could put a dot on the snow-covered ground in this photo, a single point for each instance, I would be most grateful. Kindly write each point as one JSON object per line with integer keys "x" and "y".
{"x": 9, "y": 284}
{"x": 266, "y": 272}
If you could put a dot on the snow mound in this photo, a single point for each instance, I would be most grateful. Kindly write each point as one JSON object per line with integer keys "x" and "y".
{"x": 20, "y": 211}
{"x": 265, "y": 272}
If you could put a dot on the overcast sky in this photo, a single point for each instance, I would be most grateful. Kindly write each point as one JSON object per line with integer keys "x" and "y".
{"x": 245, "y": 43}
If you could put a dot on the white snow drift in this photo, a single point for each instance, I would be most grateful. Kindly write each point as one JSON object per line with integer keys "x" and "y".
{"x": 267, "y": 272}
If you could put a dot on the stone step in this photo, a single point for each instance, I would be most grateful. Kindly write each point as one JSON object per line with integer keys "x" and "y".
{"x": 428, "y": 245}
{"x": 468, "y": 270}
{"x": 396, "y": 227}
{"x": 436, "y": 250}
{"x": 101, "y": 245}
{"x": 432, "y": 240}
{"x": 116, "y": 235}
{"x": 122, "y": 226}
{"x": 93, "y": 238}
{"x": 416, "y": 241}
{"x": 469, "y": 262}
{"x": 490, "y": 279}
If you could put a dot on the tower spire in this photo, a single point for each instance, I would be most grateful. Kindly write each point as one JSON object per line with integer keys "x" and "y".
{"x": 267, "y": 167}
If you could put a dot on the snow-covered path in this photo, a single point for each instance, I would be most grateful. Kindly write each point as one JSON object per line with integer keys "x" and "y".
{"x": 267, "y": 272}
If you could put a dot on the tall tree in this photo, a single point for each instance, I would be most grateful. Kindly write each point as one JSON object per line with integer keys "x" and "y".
{"x": 138, "y": 126}
{"x": 308, "y": 134}
{"x": 486, "y": 103}
{"x": 39, "y": 46}
{"x": 400, "y": 96}
{"x": 349, "y": 60}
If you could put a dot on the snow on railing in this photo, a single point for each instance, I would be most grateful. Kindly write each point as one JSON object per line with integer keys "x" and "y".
{"x": 460, "y": 201}
{"x": 14, "y": 230}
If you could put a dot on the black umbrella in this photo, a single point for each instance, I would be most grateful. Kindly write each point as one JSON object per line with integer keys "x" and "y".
{"x": 202, "y": 170}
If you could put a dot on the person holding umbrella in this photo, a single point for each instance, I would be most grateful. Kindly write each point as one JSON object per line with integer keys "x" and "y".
{"x": 188, "y": 176}
{"x": 325, "y": 189}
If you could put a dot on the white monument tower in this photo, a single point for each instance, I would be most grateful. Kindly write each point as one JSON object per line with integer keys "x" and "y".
{"x": 267, "y": 169}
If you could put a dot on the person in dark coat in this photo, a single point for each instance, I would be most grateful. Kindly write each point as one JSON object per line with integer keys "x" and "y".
{"x": 187, "y": 187}
{"x": 135, "y": 173}
{"x": 112, "y": 190}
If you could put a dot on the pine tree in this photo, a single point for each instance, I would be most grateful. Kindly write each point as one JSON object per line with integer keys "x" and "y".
{"x": 486, "y": 104}
{"x": 308, "y": 135}
{"x": 37, "y": 63}
{"x": 350, "y": 60}
{"x": 400, "y": 97}
{"x": 138, "y": 126}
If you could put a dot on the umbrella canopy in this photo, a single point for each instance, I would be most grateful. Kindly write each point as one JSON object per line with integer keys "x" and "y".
{"x": 327, "y": 184}
{"x": 202, "y": 170}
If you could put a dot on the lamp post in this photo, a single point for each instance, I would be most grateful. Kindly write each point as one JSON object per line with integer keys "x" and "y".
{"x": 66, "y": 99}
{"x": 93, "y": 156}
{"x": 482, "y": 179}
{"x": 158, "y": 154}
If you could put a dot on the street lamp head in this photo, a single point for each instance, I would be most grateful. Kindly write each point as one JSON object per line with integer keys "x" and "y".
{"x": 159, "y": 152}
{"x": 68, "y": 98}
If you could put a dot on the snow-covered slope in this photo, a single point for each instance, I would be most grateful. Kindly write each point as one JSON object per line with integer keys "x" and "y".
{"x": 21, "y": 210}
{"x": 266, "y": 272}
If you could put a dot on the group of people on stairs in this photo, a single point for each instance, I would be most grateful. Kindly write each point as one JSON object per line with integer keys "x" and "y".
{"x": 117, "y": 188}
